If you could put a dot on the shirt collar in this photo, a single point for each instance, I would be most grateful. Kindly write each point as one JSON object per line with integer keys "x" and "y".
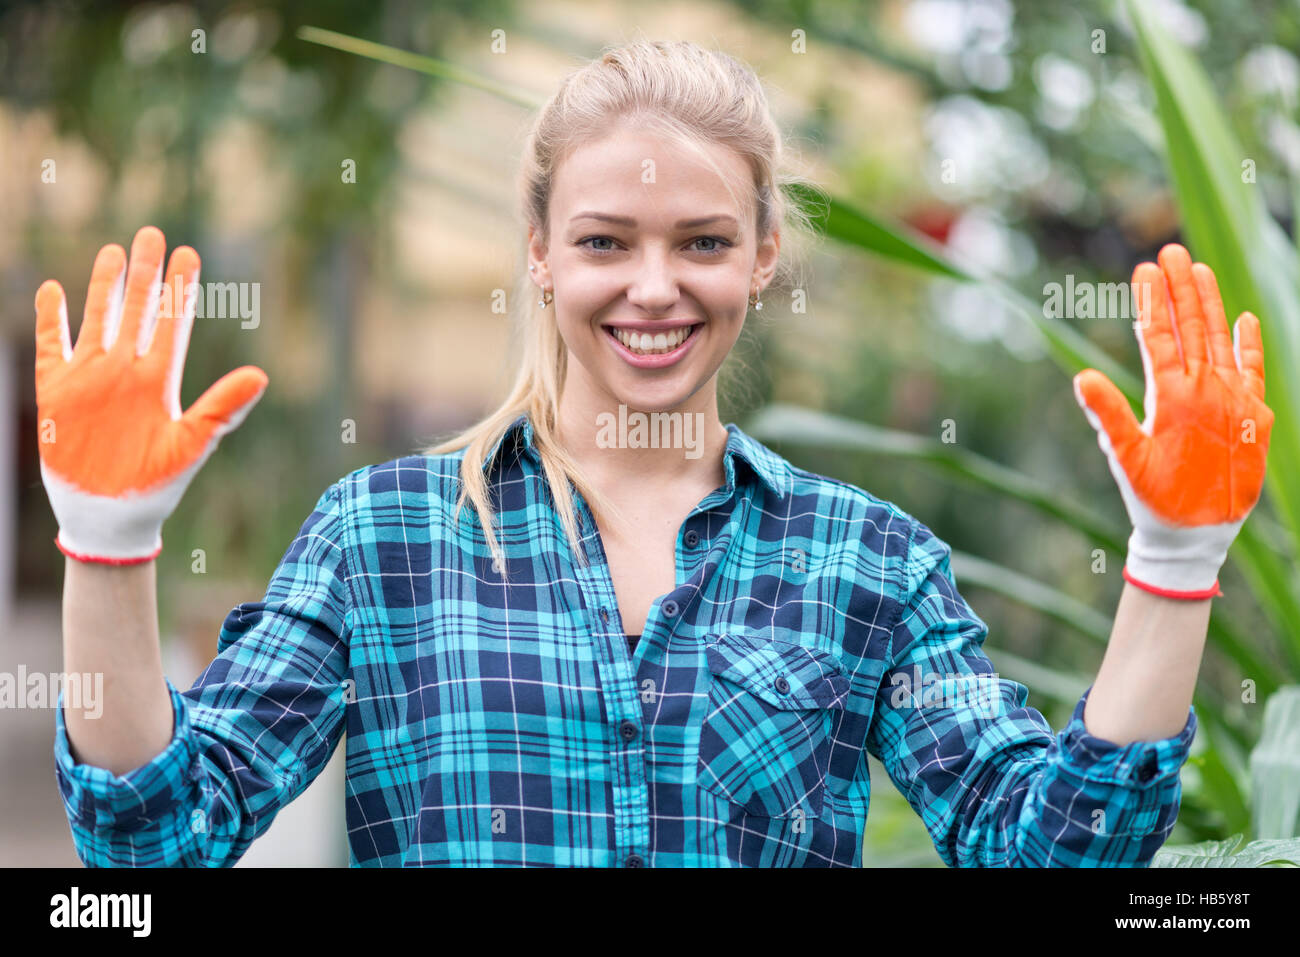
{"x": 771, "y": 469}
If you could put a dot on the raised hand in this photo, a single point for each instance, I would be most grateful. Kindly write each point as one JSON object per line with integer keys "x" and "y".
{"x": 1194, "y": 468}
{"x": 116, "y": 451}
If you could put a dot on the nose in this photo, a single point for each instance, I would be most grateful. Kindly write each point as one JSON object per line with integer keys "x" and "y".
{"x": 654, "y": 285}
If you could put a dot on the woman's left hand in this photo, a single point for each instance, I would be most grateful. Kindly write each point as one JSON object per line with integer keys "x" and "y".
{"x": 1194, "y": 468}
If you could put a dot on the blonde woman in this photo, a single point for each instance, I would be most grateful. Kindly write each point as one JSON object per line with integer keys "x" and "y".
{"x": 600, "y": 627}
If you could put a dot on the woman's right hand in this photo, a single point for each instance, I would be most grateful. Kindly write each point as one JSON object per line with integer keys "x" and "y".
{"x": 116, "y": 451}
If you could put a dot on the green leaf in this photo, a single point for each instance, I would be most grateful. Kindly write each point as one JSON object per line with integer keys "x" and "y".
{"x": 1071, "y": 612}
{"x": 1230, "y": 853}
{"x": 1228, "y": 227}
{"x": 423, "y": 64}
{"x": 1275, "y": 767}
{"x": 1039, "y": 679}
{"x": 840, "y": 220}
{"x": 792, "y": 424}
{"x": 1220, "y": 788}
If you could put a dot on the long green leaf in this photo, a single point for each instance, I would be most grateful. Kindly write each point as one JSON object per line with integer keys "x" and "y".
{"x": 842, "y": 221}
{"x": 969, "y": 569}
{"x": 1220, "y": 787}
{"x": 1275, "y": 767}
{"x": 809, "y": 427}
{"x": 423, "y": 64}
{"x": 1228, "y": 226}
{"x": 1049, "y": 682}
{"x": 1027, "y": 591}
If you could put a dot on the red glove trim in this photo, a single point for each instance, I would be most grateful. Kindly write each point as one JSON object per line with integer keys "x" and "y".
{"x": 1212, "y": 592}
{"x": 107, "y": 561}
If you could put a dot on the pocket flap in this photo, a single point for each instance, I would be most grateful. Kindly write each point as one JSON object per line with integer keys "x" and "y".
{"x": 785, "y": 675}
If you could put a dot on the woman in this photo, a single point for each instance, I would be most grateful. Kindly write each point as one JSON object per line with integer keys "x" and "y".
{"x": 634, "y": 649}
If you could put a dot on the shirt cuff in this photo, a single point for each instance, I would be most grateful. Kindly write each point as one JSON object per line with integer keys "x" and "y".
{"x": 1137, "y": 765}
{"x": 98, "y": 799}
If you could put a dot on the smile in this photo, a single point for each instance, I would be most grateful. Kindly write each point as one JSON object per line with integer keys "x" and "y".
{"x": 658, "y": 344}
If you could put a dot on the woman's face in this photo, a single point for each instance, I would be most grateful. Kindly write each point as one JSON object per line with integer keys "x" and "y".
{"x": 645, "y": 242}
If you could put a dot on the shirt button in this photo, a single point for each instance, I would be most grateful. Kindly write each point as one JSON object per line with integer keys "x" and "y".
{"x": 604, "y": 615}
{"x": 670, "y": 608}
{"x": 628, "y": 730}
{"x": 1147, "y": 770}
{"x": 692, "y": 538}
{"x": 634, "y": 860}
{"x": 782, "y": 686}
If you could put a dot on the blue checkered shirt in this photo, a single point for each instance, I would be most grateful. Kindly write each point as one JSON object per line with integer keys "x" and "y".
{"x": 489, "y": 723}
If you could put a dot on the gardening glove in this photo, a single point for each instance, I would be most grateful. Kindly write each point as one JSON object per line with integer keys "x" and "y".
{"x": 116, "y": 451}
{"x": 1194, "y": 468}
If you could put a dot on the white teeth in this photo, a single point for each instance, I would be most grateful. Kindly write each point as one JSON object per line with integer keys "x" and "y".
{"x": 643, "y": 343}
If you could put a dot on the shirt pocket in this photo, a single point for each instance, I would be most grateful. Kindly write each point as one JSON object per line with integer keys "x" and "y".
{"x": 766, "y": 737}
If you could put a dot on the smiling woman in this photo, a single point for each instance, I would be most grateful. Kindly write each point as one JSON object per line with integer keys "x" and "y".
{"x": 499, "y": 704}
{"x": 653, "y": 192}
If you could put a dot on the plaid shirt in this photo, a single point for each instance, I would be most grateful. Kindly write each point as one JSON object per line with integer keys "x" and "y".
{"x": 487, "y": 724}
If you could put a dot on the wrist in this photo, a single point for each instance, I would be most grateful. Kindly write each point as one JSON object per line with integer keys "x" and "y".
{"x": 90, "y": 558}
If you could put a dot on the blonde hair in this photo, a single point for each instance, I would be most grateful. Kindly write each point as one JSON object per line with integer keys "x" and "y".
{"x": 692, "y": 96}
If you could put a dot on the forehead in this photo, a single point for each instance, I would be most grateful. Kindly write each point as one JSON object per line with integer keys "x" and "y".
{"x": 639, "y": 173}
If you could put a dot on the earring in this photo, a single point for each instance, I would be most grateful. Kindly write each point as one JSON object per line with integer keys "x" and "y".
{"x": 755, "y": 301}
{"x": 546, "y": 296}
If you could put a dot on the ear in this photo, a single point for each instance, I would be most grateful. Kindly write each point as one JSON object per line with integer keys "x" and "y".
{"x": 536, "y": 255}
{"x": 766, "y": 259}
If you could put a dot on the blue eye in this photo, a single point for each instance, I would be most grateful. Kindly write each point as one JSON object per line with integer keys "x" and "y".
{"x": 722, "y": 245}
{"x": 589, "y": 239}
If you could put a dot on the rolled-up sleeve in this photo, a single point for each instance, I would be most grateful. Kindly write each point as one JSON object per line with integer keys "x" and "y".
{"x": 993, "y": 784}
{"x": 252, "y": 733}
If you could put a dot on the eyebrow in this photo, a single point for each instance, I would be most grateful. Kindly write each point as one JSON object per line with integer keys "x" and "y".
{"x": 629, "y": 222}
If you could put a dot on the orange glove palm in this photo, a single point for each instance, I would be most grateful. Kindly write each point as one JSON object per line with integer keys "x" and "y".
{"x": 1194, "y": 468}
{"x": 116, "y": 452}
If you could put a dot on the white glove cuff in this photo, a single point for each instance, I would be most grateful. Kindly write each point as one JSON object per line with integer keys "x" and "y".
{"x": 1178, "y": 562}
{"x": 111, "y": 531}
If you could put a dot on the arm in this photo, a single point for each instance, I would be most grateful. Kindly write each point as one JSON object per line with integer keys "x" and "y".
{"x": 993, "y": 784}
{"x": 151, "y": 776}
{"x": 1189, "y": 475}
{"x": 1148, "y": 675}
{"x": 110, "y": 627}
{"x": 116, "y": 455}
{"x": 257, "y": 727}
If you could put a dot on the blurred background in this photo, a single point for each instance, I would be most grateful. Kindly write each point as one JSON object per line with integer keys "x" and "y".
{"x": 997, "y": 131}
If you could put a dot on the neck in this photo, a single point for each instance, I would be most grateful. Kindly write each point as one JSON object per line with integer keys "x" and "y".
{"x": 627, "y": 451}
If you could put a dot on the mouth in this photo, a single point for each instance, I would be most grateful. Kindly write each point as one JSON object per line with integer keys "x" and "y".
{"x": 659, "y": 345}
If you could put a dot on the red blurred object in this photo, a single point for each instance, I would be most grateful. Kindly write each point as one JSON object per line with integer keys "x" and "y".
{"x": 933, "y": 220}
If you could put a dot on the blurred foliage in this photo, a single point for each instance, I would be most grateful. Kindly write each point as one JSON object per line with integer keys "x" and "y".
{"x": 141, "y": 87}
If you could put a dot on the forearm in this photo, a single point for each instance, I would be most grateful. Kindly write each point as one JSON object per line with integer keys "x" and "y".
{"x": 110, "y": 628}
{"x": 1148, "y": 674}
